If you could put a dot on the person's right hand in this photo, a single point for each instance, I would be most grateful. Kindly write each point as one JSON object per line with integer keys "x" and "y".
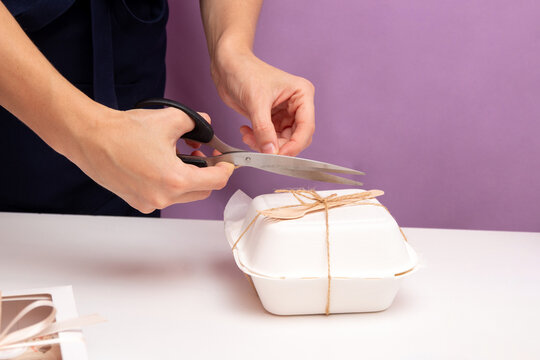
{"x": 133, "y": 154}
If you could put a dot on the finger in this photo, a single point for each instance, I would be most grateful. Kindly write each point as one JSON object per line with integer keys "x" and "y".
{"x": 284, "y": 137}
{"x": 282, "y": 119}
{"x": 181, "y": 123}
{"x": 201, "y": 154}
{"x": 185, "y": 124}
{"x": 245, "y": 130}
{"x": 146, "y": 207}
{"x": 206, "y": 117}
{"x": 303, "y": 133}
{"x": 141, "y": 206}
{"x": 198, "y": 153}
{"x": 193, "y": 144}
{"x": 210, "y": 178}
{"x": 248, "y": 137}
{"x": 192, "y": 196}
{"x": 263, "y": 128}
{"x": 286, "y": 133}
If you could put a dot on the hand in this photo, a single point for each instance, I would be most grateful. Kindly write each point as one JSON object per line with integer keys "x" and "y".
{"x": 279, "y": 105}
{"x": 133, "y": 154}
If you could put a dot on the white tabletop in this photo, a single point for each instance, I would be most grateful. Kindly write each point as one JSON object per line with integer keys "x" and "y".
{"x": 171, "y": 290}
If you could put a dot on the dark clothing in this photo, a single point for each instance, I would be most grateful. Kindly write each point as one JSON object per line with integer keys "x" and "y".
{"x": 113, "y": 51}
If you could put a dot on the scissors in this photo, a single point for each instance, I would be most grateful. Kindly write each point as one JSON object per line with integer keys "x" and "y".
{"x": 279, "y": 164}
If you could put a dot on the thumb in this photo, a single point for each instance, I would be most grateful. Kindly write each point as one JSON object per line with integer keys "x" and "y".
{"x": 175, "y": 120}
{"x": 265, "y": 133}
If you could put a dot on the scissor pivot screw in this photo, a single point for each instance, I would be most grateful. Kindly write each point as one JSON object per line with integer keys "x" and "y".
{"x": 248, "y": 158}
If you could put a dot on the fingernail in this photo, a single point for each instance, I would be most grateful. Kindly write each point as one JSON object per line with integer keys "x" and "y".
{"x": 268, "y": 148}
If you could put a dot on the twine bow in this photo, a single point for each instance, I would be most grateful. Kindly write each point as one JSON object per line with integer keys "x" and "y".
{"x": 28, "y": 335}
{"x": 318, "y": 203}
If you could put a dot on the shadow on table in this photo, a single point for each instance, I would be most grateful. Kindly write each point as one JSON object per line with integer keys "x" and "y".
{"x": 135, "y": 270}
{"x": 242, "y": 294}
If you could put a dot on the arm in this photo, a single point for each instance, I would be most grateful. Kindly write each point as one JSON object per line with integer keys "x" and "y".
{"x": 132, "y": 153}
{"x": 279, "y": 105}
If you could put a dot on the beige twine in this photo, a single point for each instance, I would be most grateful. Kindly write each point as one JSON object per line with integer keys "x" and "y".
{"x": 318, "y": 203}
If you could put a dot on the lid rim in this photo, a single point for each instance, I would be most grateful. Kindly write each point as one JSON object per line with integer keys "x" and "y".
{"x": 408, "y": 270}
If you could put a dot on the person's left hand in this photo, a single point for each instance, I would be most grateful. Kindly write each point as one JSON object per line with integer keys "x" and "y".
{"x": 279, "y": 105}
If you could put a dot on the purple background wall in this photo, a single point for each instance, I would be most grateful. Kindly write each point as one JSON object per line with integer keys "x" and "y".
{"x": 438, "y": 101}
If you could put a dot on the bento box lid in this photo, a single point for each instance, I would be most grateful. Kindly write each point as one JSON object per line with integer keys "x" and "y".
{"x": 364, "y": 240}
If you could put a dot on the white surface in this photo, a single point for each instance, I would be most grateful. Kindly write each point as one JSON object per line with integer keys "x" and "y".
{"x": 287, "y": 260}
{"x": 171, "y": 290}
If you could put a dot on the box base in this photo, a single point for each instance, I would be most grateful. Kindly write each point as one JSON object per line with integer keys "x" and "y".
{"x": 309, "y": 296}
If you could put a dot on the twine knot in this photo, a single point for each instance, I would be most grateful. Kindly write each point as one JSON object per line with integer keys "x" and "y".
{"x": 317, "y": 203}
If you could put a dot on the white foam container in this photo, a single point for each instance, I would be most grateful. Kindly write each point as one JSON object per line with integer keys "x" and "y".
{"x": 287, "y": 260}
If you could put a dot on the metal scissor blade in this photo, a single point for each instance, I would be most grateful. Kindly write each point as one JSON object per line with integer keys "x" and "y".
{"x": 270, "y": 161}
{"x": 313, "y": 175}
{"x": 298, "y": 173}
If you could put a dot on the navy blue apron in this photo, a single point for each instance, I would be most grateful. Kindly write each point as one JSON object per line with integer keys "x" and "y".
{"x": 113, "y": 51}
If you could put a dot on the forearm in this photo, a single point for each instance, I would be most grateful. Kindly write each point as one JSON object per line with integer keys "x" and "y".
{"x": 229, "y": 24}
{"x": 131, "y": 153}
{"x": 33, "y": 91}
{"x": 279, "y": 105}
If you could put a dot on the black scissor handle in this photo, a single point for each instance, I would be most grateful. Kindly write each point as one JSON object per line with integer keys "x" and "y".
{"x": 202, "y": 132}
{"x": 193, "y": 160}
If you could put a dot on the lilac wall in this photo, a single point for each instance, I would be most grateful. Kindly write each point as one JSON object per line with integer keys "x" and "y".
{"x": 438, "y": 101}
